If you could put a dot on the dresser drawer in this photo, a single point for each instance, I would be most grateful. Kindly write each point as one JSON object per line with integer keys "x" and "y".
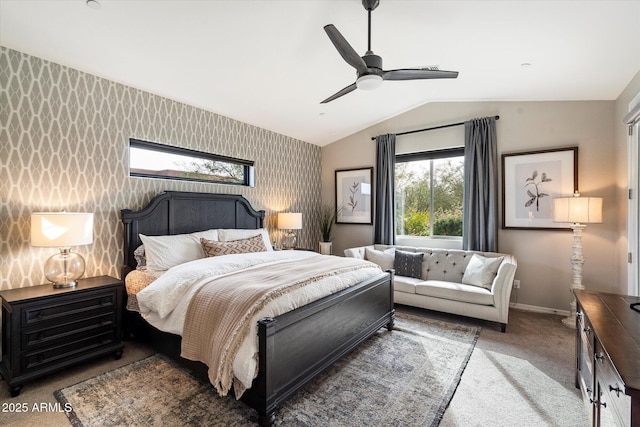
{"x": 612, "y": 388}
{"x": 63, "y": 309}
{"x": 586, "y": 331}
{"x": 83, "y": 345}
{"x": 45, "y": 335}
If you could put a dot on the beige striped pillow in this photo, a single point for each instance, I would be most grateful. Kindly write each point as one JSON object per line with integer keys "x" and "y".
{"x": 241, "y": 246}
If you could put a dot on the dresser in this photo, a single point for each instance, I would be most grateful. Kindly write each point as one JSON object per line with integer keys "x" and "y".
{"x": 45, "y": 329}
{"x": 608, "y": 358}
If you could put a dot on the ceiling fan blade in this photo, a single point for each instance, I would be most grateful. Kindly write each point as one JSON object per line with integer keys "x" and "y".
{"x": 340, "y": 93}
{"x": 418, "y": 73}
{"x": 344, "y": 49}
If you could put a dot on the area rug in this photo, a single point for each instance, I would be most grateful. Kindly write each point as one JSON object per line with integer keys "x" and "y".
{"x": 405, "y": 377}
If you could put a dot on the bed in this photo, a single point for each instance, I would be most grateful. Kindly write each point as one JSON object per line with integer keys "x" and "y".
{"x": 294, "y": 347}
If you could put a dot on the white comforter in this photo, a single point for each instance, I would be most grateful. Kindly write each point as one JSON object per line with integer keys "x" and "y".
{"x": 164, "y": 302}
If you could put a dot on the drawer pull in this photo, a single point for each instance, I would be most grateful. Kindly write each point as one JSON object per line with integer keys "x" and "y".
{"x": 587, "y": 329}
{"x": 598, "y": 402}
{"x": 616, "y": 389}
{"x": 599, "y": 357}
{"x": 40, "y": 315}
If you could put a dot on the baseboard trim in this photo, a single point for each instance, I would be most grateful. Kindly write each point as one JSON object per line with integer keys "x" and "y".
{"x": 537, "y": 309}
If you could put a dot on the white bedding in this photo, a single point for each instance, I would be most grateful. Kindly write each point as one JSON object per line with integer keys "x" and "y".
{"x": 164, "y": 302}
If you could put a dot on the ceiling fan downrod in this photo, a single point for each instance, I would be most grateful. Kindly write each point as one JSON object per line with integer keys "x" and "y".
{"x": 370, "y": 6}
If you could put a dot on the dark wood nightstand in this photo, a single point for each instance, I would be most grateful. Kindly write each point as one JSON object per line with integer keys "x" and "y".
{"x": 45, "y": 329}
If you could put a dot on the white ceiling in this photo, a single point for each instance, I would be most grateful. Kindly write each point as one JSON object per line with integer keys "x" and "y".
{"x": 270, "y": 63}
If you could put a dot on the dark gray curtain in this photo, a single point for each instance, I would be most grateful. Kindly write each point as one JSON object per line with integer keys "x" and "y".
{"x": 480, "y": 220}
{"x": 384, "y": 222}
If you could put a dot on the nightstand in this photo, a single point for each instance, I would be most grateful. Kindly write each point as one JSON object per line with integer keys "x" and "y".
{"x": 45, "y": 329}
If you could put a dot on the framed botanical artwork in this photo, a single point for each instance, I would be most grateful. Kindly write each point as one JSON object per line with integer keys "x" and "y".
{"x": 530, "y": 182}
{"x": 354, "y": 196}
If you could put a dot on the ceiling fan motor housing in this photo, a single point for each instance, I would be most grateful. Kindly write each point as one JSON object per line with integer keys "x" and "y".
{"x": 373, "y": 61}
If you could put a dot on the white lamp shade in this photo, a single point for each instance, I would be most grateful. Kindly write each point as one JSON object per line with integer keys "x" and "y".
{"x": 289, "y": 221}
{"x": 573, "y": 209}
{"x": 61, "y": 229}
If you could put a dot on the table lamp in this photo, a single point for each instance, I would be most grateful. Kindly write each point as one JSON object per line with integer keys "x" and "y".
{"x": 289, "y": 221}
{"x": 62, "y": 230}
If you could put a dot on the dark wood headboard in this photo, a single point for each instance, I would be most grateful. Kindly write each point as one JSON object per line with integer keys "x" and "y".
{"x": 179, "y": 212}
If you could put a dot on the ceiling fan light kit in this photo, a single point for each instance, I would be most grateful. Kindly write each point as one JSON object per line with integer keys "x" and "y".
{"x": 369, "y": 82}
{"x": 370, "y": 74}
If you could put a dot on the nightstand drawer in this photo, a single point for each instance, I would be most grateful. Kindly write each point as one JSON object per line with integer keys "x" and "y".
{"x": 47, "y": 334}
{"x": 40, "y": 359}
{"x": 64, "y": 309}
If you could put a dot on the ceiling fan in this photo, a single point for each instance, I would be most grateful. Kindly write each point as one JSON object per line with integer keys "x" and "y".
{"x": 369, "y": 67}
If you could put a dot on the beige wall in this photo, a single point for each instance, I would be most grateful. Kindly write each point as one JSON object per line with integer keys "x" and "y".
{"x": 64, "y": 139}
{"x": 544, "y": 267}
{"x": 622, "y": 159}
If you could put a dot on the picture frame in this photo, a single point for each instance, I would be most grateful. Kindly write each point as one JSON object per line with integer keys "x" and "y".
{"x": 530, "y": 182}
{"x": 354, "y": 196}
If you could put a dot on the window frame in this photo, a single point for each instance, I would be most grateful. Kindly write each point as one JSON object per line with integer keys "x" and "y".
{"x": 247, "y": 165}
{"x": 429, "y": 155}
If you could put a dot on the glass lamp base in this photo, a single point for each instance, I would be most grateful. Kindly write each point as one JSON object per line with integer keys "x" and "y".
{"x": 289, "y": 241}
{"x": 64, "y": 269}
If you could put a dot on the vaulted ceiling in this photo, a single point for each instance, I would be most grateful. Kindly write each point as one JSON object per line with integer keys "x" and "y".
{"x": 270, "y": 63}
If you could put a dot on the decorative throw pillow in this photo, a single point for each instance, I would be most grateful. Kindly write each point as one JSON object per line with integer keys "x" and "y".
{"x": 481, "y": 271}
{"x": 408, "y": 264}
{"x": 229, "y": 234}
{"x": 141, "y": 259}
{"x": 241, "y": 246}
{"x": 383, "y": 258}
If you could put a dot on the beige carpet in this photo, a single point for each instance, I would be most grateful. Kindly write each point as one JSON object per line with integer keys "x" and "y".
{"x": 409, "y": 374}
{"x": 488, "y": 393}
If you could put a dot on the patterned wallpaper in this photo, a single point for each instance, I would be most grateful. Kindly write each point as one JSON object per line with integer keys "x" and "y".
{"x": 64, "y": 138}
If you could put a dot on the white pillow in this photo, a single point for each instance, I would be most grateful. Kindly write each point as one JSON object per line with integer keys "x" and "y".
{"x": 383, "y": 258}
{"x": 229, "y": 234}
{"x": 164, "y": 252}
{"x": 481, "y": 271}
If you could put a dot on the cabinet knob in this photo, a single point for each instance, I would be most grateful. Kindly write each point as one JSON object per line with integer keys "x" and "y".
{"x": 599, "y": 357}
{"x": 598, "y": 402}
{"x": 616, "y": 389}
{"x": 40, "y": 315}
{"x": 587, "y": 329}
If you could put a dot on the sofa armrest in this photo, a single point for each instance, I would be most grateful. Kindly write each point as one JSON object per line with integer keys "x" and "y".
{"x": 502, "y": 285}
{"x": 356, "y": 252}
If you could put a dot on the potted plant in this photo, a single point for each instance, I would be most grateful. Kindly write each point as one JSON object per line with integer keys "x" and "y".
{"x": 327, "y": 220}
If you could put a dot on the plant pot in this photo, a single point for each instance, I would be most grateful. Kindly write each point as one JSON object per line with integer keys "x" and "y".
{"x": 325, "y": 248}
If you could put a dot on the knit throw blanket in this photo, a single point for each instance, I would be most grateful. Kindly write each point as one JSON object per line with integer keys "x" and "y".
{"x": 219, "y": 313}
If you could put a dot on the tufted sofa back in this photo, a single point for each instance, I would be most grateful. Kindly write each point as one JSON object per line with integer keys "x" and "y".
{"x": 444, "y": 264}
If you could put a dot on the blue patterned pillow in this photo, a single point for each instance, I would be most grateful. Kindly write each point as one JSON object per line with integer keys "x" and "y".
{"x": 408, "y": 264}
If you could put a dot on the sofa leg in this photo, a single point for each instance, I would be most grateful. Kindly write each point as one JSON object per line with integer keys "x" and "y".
{"x": 503, "y": 327}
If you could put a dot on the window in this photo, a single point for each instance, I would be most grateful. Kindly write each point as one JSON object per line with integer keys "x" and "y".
{"x": 152, "y": 160}
{"x": 429, "y": 193}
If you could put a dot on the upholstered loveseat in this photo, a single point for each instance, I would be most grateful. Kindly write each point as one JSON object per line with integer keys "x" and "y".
{"x": 451, "y": 281}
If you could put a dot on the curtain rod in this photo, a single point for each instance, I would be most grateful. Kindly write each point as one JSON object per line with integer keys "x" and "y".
{"x": 433, "y": 128}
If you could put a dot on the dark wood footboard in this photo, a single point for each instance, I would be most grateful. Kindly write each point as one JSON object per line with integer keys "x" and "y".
{"x": 296, "y": 346}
